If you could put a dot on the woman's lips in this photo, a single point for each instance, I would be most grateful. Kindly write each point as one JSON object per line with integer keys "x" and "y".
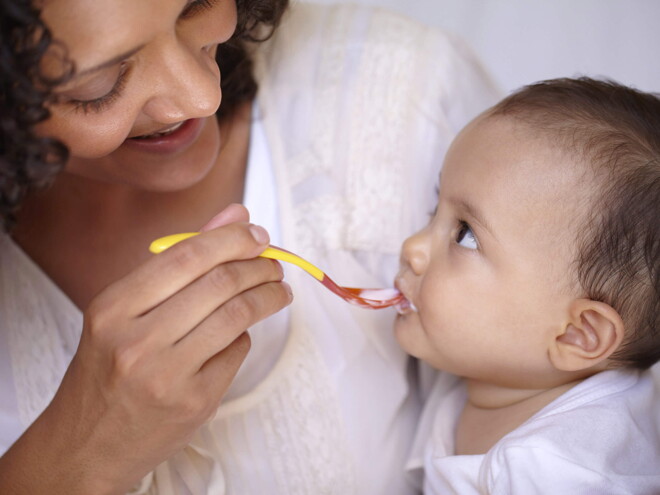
{"x": 162, "y": 131}
{"x": 170, "y": 140}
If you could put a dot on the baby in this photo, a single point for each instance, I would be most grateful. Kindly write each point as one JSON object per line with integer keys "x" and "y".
{"x": 537, "y": 281}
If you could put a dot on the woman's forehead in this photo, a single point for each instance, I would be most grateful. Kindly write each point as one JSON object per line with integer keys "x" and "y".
{"x": 94, "y": 31}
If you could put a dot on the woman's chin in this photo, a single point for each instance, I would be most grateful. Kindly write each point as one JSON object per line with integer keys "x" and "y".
{"x": 146, "y": 166}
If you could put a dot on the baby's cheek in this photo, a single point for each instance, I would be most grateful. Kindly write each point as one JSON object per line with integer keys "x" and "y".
{"x": 434, "y": 297}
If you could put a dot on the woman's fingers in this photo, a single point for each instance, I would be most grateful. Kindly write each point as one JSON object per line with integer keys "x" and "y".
{"x": 147, "y": 287}
{"x": 216, "y": 375}
{"x": 233, "y": 213}
{"x": 160, "y": 347}
{"x": 193, "y": 304}
{"x": 230, "y": 320}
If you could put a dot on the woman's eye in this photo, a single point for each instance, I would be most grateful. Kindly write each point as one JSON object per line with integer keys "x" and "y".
{"x": 465, "y": 237}
{"x": 102, "y": 102}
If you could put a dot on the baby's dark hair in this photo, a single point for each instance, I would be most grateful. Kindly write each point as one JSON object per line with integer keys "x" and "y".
{"x": 617, "y": 130}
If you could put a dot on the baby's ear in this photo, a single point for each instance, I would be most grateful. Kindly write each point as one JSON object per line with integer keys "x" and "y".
{"x": 593, "y": 332}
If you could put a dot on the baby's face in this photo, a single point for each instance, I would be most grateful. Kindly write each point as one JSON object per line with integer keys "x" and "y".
{"x": 491, "y": 275}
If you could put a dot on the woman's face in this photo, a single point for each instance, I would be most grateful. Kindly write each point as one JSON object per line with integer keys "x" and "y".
{"x": 146, "y": 82}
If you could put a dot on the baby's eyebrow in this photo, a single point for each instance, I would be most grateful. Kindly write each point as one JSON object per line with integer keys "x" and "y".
{"x": 472, "y": 211}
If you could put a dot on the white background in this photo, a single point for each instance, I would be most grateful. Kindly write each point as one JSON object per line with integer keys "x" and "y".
{"x": 522, "y": 41}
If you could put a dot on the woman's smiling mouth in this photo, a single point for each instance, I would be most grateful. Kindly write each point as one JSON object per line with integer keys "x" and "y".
{"x": 163, "y": 132}
{"x": 167, "y": 140}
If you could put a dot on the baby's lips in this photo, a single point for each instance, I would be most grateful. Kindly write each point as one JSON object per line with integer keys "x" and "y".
{"x": 405, "y": 307}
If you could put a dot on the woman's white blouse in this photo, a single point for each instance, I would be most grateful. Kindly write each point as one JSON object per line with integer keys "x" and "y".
{"x": 358, "y": 107}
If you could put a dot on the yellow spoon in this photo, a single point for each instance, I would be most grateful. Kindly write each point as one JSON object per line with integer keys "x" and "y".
{"x": 366, "y": 298}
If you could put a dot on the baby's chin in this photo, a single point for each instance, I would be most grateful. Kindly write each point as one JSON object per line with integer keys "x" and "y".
{"x": 408, "y": 333}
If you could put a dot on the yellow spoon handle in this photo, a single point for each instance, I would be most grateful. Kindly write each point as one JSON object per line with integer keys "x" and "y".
{"x": 161, "y": 244}
{"x": 279, "y": 254}
{"x": 271, "y": 252}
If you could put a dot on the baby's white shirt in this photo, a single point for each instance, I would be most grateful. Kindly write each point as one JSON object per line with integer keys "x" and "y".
{"x": 600, "y": 437}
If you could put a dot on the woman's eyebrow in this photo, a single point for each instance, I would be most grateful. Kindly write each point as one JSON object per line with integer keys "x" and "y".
{"x": 109, "y": 63}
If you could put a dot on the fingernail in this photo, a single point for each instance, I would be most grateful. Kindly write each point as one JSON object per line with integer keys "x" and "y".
{"x": 287, "y": 287}
{"x": 259, "y": 233}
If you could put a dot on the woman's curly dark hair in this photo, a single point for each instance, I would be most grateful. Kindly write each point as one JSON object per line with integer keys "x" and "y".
{"x": 26, "y": 160}
{"x": 257, "y": 19}
{"x": 29, "y": 161}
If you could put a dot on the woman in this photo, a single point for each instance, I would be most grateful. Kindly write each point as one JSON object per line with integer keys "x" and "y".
{"x": 136, "y": 352}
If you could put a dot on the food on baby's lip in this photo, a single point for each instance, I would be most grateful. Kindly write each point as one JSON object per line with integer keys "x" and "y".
{"x": 405, "y": 307}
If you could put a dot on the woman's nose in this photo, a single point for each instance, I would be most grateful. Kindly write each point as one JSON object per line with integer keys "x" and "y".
{"x": 187, "y": 85}
{"x": 415, "y": 252}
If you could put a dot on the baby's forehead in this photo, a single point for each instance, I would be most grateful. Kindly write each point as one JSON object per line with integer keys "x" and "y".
{"x": 520, "y": 171}
{"x": 543, "y": 151}
{"x": 505, "y": 142}
{"x": 570, "y": 142}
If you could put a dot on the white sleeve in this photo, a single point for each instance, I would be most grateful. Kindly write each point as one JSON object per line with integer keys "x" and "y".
{"x": 533, "y": 470}
{"x": 10, "y": 425}
{"x": 453, "y": 475}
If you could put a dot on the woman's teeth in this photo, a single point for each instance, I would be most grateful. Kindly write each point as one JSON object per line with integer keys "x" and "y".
{"x": 161, "y": 133}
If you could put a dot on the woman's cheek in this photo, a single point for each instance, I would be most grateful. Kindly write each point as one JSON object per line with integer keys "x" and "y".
{"x": 87, "y": 135}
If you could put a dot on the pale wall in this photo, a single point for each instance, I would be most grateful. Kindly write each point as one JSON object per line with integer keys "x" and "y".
{"x": 521, "y": 41}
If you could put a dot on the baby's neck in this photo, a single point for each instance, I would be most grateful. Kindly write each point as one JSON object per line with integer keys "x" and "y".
{"x": 492, "y": 411}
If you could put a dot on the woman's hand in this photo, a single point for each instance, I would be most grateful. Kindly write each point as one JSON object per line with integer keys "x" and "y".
{"x": 159, "y": 349}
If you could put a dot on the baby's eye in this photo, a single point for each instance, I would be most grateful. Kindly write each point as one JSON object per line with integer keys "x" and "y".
{"x": 465, "y": 237}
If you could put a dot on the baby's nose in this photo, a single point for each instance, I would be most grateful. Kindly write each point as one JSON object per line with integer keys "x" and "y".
{"x": 414, "y": 252}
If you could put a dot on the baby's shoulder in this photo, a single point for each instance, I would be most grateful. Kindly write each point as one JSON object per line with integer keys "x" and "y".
{"x": 603, "y": 432}
{"x": 606, "y": 410}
